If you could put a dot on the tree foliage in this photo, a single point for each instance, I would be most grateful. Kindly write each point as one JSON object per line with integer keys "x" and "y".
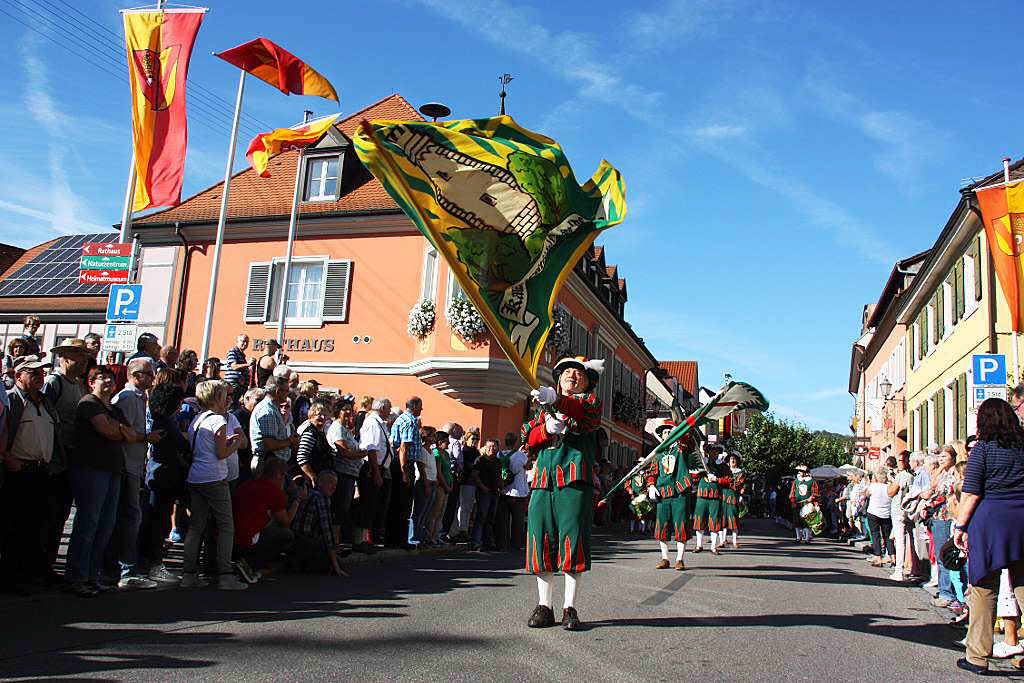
{"x": 771, "y": 447}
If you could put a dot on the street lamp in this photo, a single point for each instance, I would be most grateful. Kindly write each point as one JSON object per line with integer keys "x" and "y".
{"x": 886, "y": 387}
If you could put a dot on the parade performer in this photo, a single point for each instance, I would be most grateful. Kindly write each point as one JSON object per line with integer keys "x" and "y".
{"x": 563, "y": 437}
{"x": 730, "y": 501}
{"x": 707, "y": 514}
{"x": 640, "y": 508}
{"x": 804, "y": 491}
{"x": 669, "y": 486}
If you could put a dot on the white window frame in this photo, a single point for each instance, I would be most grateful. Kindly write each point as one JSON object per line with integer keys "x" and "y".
{"x": 428, "y": 290}
{"x": 915, "y": 417}
{"x": 929, "y": 323}
{"x": 307, "y": 164}
{"x": 948, "y": 397}
{"x": 915, "y": 344}
{"x": 947, "y": 309}
{"x": 450, "y": 289}
{"x": 273, "y": 305}
{"x": 931, "y": 424}
{"x": 970, "y": 303}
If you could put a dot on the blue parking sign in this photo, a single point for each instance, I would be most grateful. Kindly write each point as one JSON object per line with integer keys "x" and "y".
{"x": 990, "y": 369}
{"x": 124, "y": 302}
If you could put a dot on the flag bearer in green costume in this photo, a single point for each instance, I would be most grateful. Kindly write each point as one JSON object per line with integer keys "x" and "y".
{"x": 669, "y": 486}
{"x": 707, "y": 514}
{"x": 561, "y": 502}
{"x": 805, "y": 490}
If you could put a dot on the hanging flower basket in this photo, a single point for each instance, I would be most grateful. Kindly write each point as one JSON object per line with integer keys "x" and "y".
{"x": 465, "y": 320}
{"x": 422, "y": 317}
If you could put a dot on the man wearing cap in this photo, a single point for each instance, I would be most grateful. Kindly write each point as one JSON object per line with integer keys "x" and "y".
{"x": 63, "y": 389}
{"x": 804, "y": 490}
{"x": 31, "y": 443}
{"x": 669, "y": 486}
{"x": 563, "y": 437}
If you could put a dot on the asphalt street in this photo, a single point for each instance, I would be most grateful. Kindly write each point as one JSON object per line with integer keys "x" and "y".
{"x": 770, "y": 610}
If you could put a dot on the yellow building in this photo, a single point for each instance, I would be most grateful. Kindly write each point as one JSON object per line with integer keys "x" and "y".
{"x": 953, "y": 310}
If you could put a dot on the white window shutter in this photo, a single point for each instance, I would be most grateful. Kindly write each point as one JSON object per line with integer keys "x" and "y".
{"x": 257, "y": 293}
{"x": 336, "y": 288}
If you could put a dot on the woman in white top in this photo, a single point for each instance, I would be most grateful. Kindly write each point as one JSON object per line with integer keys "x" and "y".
{"x": 879, "y": 518}
{"x": 208, "y": 485}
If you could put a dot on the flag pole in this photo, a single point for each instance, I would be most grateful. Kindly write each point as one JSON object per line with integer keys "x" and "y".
{"x": 292, "y": 221}
{"x": 215, "y": 269}
{"x": 1016, "y": 353}
{"x": 129, "y": 200}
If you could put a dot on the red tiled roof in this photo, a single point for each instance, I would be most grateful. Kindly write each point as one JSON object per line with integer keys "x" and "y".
{"x": 252, "y": 196}
{"x": 685, "y": 372}
{"x": 25, "y": 257}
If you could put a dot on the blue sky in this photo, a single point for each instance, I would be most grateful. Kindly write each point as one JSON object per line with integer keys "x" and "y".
{"x": 779, "y": 157}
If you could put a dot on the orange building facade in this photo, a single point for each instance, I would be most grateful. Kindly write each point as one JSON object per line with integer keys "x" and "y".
{"x": 359, "y": 268}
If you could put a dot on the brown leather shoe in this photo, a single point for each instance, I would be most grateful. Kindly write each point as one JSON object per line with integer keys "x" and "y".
{"x": 662, "y": 564}
{"x": 679, "y": 566}
{"x": 570, "y": 620}
{"x": 542, "y": 617}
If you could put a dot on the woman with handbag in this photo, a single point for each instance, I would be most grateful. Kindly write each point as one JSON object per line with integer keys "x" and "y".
{"x": 990, "y": 523}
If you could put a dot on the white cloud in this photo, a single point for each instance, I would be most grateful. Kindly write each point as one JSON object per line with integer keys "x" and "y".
{"x": 785, "y": 412}
{"x": 718, "y": 131}
{"x": 677, "y": 21}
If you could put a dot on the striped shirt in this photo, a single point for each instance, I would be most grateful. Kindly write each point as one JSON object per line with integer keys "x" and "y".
{"x": 238, "y": 378}
{"x": 994, "y": 471}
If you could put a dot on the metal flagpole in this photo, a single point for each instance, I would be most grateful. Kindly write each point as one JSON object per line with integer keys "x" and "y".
{"x": 215, "y": 270}
{"x": 292, "y": 223}
{"x": 1016, "y": 353}
{"x": 129, "y": 199}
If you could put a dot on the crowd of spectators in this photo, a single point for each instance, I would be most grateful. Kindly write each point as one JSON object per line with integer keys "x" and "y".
{"x": 244, "y": 464}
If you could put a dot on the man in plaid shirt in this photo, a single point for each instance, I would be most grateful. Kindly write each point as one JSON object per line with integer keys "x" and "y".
{"x": 313, "y": 527}
{"x": 406, "y": 442}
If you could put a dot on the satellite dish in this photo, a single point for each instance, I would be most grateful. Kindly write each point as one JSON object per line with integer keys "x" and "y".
{"x": 435, "y": 110}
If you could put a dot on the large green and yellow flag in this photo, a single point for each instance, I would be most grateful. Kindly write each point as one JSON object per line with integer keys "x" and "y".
{"x": 502, "y": 205}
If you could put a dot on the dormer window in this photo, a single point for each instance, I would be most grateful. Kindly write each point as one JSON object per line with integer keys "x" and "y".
{"x": 321, "y": 179}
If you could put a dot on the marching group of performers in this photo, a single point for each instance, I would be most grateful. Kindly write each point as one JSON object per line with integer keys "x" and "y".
{"x": 686, "y": 493}
{"x": 689, "y": 497}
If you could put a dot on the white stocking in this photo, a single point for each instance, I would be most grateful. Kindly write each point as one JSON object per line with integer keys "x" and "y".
{"x": 544, "y": 589}
{"x": 700, "y": 538}
{"x": 664, "y": 550}
{"x": 714, "y": 540}
{"x": 679, "y": 551}
{"x": 721, "y": 537}
{"x": 572, "y": 582}
{"x": 734, "y": 539}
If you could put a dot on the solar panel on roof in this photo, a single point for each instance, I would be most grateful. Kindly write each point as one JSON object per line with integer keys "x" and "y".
{"x": 54, "y": 271}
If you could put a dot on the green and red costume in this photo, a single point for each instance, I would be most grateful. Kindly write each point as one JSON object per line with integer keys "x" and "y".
{"x": 730, "y": 501}
{"x": 707, "y": 513}
{"x": 637, "y": 486}
{"x": 561, "y": 503}
{"x": 672, "y": 480}
{"x": 803, "y": 491}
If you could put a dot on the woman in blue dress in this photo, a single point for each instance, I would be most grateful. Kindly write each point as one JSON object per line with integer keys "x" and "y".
{"x": 990, "y": 523}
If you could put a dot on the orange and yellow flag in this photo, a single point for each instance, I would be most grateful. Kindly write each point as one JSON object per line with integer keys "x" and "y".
{"x": 1002, "y": 211}
{"x": 159, "y": 45}
{"x": 266, "y": 145}
{"x": 272, "y": 64}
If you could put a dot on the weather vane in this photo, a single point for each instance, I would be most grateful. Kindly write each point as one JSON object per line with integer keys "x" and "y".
{"x": 504, "y": 79}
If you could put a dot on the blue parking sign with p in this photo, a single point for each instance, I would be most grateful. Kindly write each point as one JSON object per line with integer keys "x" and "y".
{"x": 124, "y": 302}
{"x": 990, "y": 369}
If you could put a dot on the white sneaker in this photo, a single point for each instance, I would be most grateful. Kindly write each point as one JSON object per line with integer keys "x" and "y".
{"x": 135, "y": 581}
{"x": 162, "y": 574}
{"x": 933, "y": 584}
{"x": 1004, "y": 651}
{"x": 230, "y": 582}
{"x": 896, "y": 576}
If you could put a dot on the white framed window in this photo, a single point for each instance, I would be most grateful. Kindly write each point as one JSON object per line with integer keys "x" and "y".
{"x": 929, "y": 323}
{"x": 915, "y": 418}
{"x": 948, "y": 414}
{"x": 930, "y": 436}
{"x": 914, "y": 344}
{"x": 321, "y": 183}
{"x": 316, "y": 292}
{"x": 428, "y": 284}
{"x": 948, "y": 302}
{"x": 970, "y": 303}
{"x": 455, "y": 290}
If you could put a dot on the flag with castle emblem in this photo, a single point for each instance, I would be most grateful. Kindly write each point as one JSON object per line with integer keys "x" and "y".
{"x": 159, "y": 46}
{"x": 503, "y": 207}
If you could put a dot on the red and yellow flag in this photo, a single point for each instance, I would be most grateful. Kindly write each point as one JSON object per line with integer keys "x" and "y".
{"x": 273, "y": 64}
{"x": 159, "y": 45}
{"x": 1002, "y": 210}
{"x": 266, "y": 145}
